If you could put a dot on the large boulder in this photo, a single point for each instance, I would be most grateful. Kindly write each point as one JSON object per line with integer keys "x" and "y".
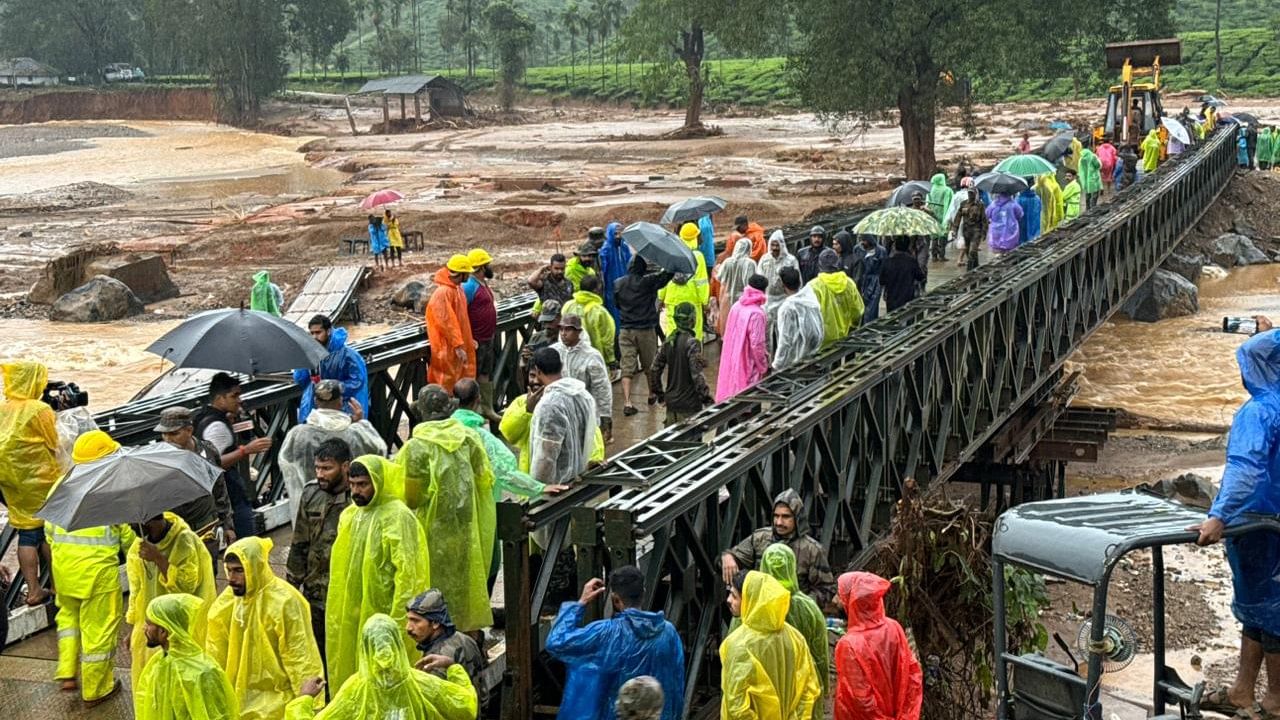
{"x": 413, "y": 295}
{"x": 1188, "y": 266}
{"x": 1188, "y": 489}
{"x": 146, "y": 275}
{"x": 101, "y": 299}
{"x": 1232, "y": 250}
{"x": 1164, "y": 295}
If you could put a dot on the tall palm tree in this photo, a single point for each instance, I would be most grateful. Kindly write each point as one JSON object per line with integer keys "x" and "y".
{"x": 571, "y": 20}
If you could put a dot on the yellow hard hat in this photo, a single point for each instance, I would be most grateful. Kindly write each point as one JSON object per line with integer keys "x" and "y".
{"x": 459, "y": 264}
{"x": 479, "y": 257}
{"x": 689, "y": 232}
{"x": 93, "y": 445}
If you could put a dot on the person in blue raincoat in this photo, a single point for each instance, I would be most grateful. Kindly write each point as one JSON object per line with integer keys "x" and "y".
{"x": 707, "y": 240}
{"x": 607, "y": 653}
{"x": 1251, "y": 484}
{"x": 615, "y": 256}
{"x": 342, "y": 364}
{"x": 1029, "y": 226}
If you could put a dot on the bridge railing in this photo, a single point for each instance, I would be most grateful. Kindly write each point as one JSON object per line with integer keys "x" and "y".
{"x": 916, "y": 394}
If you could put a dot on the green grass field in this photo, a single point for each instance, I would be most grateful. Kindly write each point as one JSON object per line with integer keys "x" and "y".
{"x": 1251, "y": 66}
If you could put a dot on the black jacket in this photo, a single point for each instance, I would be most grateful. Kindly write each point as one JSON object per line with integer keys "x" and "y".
{"x": 637, "y": 299}
{"x": 898, "y": 276}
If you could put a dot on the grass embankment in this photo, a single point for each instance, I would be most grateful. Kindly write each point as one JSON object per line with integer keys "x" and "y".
{"x": 1251, "y": 66}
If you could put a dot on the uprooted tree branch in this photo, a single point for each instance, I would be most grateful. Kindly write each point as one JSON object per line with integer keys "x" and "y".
{"x": 938, "y": 554}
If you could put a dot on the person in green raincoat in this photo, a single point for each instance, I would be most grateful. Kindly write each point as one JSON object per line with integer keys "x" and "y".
{"x": 588, "y": 304}
{"x": 266, "y": 296}
{"x": 1090, "y": 177}
{"x": 838, "y": 297}
{"x": 1051, "y": 210}
{"x": 939, "y": 201}
{"x": 804, "y": 615}
{"x": 582, "y": 264}
{"x": 379, "y": 561}
{"x": 1266, "y": 153}
{"x": 1150, "y": 152}
{"x": 387, "y": 686}
{"x": 1071, "y": 198}
{"x": 766, "y": 669}
{"x": 683, "y": 289}
{"x": 181, "y": 681}
{"x": 449, "y": 487}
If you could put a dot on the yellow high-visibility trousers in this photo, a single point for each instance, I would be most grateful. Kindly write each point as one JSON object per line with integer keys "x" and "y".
{"x": 88, "y": 630}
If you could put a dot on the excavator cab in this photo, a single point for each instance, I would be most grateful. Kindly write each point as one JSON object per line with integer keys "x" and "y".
{"x": 1133, "y": 106}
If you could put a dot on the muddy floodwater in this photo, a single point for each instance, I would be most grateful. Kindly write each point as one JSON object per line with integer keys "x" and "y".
{"x": 180, "y": 159}
{"x": 1181, "y": 370}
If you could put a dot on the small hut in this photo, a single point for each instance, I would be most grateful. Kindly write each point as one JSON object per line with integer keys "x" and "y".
{"x": 17, "y": 72}
{"x": 444, "y": 98}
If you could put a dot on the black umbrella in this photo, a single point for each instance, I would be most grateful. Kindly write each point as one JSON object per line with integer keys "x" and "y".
{"x": 902, "y": 196}
{"x": 1057, "y": 147}
{"x": 1000, "y": 183}
{"x": 1244, "y": 117}
{"x": 661, "y": 247}
{"x": 692, "y": 209}
{"x": 243, "y": 341}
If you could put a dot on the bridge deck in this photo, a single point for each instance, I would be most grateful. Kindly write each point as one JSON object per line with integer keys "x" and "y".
{"x": 328, "y": 291}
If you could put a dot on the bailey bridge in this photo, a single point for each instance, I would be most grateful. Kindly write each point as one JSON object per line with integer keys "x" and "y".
{"x": 963, "y": 384}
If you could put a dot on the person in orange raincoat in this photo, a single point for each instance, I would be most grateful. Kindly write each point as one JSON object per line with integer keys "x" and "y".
{"x": 453, "y": 352}
{"x": 759, "y": 246}
{"x": 878, "y": 677}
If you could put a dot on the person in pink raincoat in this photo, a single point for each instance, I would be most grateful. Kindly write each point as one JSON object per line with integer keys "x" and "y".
{"x": 744, "y": 358}
{"x": 1107, "y": 154}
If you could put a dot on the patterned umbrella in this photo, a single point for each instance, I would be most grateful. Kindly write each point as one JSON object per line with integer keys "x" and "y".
{"x": 1025, "y": 165}
{"x": 898, "y": 221}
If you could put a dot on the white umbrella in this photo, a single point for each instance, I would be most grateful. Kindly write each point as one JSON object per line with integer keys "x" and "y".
{"x": 1176, "y": 130}
{"x": 131, "y": 485}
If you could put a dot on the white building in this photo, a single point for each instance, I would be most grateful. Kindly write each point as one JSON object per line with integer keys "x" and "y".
{"x": 19, "y": 72}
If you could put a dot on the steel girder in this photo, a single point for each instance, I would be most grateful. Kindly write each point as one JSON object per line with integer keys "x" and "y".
{"x": 913, "y": 396}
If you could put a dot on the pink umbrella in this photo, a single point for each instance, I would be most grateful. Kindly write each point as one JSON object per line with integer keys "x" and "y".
{"x": 382, "y": 197}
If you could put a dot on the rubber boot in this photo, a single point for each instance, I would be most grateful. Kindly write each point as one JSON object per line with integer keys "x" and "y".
{"x": 486, "y": 402}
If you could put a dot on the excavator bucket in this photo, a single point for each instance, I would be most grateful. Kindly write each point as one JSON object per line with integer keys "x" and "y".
{"x": 1143, "y": 53}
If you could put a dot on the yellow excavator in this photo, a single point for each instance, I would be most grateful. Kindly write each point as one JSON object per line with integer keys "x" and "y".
{"x": 1133, "y": 106}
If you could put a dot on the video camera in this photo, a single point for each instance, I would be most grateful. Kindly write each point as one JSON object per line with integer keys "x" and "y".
{"x": 64, "y": 396}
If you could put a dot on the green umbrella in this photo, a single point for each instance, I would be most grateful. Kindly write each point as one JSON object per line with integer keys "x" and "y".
{"x": 898, "y": 221}
{"x": 1025, "y": 165}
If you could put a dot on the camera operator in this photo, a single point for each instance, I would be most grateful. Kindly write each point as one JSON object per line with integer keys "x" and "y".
{"x": 213, "y": 424}
{"x": 28, "y": 464}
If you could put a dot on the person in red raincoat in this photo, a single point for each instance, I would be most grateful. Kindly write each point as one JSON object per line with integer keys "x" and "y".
{"x": 453, "y": 352}
{"x": 878, "y": 677}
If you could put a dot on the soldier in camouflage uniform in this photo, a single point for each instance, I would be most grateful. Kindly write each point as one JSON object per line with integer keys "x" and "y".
{"x": 816, "y": 579}
{"x": 316, "y": 528}
{"x": 429, "y": 624}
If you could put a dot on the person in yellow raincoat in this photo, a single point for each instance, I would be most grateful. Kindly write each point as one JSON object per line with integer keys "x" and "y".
{"x": 89, "y": 599}
{"x": 259, "y": 631}
{"x": 588, "y": 303}
{"x": 517, "y": 422}
{"x": 388, "y": 687}
{"x": 378, "y": 563}
{"x": 838, "y": 297}
{"x": 167, "y": 558}
{"x": 180, "y": 681}
{"x": 1150, "y": 152}
{"x": 449, "y": 486}
{"x": 766, "y": 670}
{"x": 1051, "y": 210}
{"x": 804, "y": 615}
{"x": 29, "y": 446}
{"x": 683, "y": 289}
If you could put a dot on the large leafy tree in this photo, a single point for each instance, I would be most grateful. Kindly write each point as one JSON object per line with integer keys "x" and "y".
{"x": 244, "y": 43}
{"x": 511, "y": 33}
{"x": 75, "y": 36}
{"x": 663, "y": 31}
{"x": 860, "y": 58}
{"x": 321, "y": 25}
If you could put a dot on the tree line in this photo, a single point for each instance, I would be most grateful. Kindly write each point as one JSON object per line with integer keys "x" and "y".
{"x": 848, "y": 60}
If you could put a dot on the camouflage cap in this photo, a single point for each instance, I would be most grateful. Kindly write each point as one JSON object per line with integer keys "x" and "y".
{"x": 550, "y": 311}
{"x": 685, "y": 316}
{"x": 430, "y": 605}
{"x": 640, "y": 699}
{"x": 434, "y": 403}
